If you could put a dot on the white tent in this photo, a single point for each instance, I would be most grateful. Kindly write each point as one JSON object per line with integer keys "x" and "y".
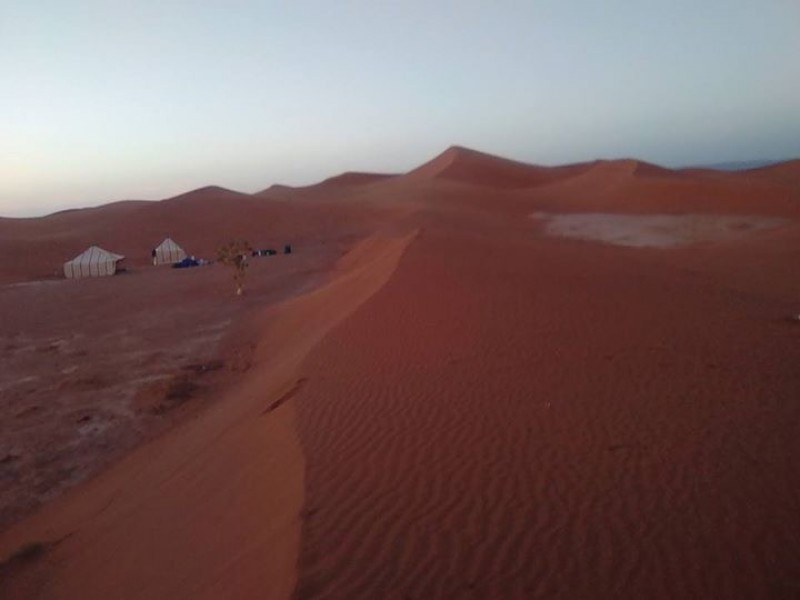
{"x": 94, "y": 262}
{"x": 168, "y": 252}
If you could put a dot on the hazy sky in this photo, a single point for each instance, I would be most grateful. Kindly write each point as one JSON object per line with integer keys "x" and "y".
{"x": 110, "y": 100}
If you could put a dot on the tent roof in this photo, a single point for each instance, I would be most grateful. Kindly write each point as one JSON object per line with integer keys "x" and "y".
{"x": 95, "y": 254}
{"x": 169, "y": 243}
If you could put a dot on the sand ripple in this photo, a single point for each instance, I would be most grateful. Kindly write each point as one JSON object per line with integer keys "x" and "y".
{"x": 478, "y": 429}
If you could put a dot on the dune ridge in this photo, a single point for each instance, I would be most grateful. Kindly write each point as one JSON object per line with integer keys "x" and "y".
{"x": 625, "y": 186}
{"x": 348, "y": 181}
{"x": 478, "y": 168}
{"x": 787, "y": 172}
{"x": 356, "y": 178}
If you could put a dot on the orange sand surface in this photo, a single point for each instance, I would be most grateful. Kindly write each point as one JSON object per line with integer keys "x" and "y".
{"x": 434, "y": 396}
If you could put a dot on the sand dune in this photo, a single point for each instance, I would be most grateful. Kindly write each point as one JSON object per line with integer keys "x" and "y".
{"x": 786, "y": 172}
{"x": 341, "y": 183}
{"x": 631, "y": 168}
{"x": 535, "y": 421}
{"x": 619, "y": 186}
{"x": 356, "y": 178}
{"x": 211, "y": 192}
{"x": 477, "y": 168}
{"x": 438, "y": 399}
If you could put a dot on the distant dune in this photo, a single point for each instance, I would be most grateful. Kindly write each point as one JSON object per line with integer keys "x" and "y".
{"x": 341, "y": 183}
{"x": 631, "y": 167}
{"x": 741, "y": 165}
{"x": 477, "y": 168}
{"x": 356, "y": 178}
{"x": 478, "y": 379}
{"x": 786, "y": 172}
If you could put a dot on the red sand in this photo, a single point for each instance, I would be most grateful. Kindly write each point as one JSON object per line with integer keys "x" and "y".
{"x": 459, "y": 407}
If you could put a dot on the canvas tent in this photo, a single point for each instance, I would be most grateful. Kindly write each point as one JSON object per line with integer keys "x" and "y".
{"x": 168, "y": 252}
{"x": 93, "y": 262}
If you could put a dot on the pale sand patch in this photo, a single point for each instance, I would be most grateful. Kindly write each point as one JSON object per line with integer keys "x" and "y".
{"x": 654, "y": 231}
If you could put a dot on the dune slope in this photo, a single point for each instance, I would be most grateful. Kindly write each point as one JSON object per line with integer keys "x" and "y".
{"x": 531, "y": 419}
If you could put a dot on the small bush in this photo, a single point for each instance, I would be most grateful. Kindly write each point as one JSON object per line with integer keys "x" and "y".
{"x": 234, "y": 254}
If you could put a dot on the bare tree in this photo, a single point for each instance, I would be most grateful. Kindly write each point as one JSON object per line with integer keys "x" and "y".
{"x": 235, "y": 254}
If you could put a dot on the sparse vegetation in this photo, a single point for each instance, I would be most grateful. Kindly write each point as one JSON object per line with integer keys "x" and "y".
{"x": 234, "y": 254}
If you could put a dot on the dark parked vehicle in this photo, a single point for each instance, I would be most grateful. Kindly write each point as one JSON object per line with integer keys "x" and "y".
{"x": 264, "y": 252}
{"x": 189, "y": 261}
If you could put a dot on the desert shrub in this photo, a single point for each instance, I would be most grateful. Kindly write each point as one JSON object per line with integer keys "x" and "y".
{"x": 234, "y": 254}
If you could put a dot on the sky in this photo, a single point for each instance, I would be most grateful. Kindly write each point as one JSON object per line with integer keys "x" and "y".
{"x": 110, "y": 100}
